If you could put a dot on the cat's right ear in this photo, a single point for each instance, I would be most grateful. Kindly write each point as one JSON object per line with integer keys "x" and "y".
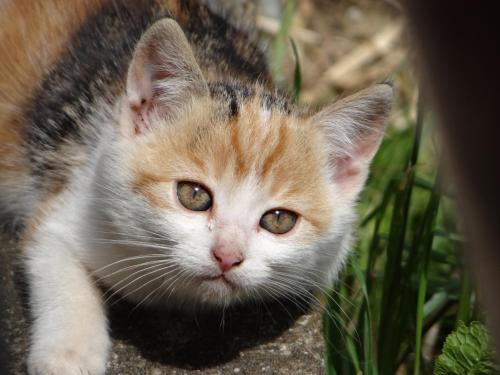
{"x": 163, "y": 77}
{"x": 353, "y": 128}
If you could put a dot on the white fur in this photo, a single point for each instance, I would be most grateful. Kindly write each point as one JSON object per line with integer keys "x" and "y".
{"x": 69, "y": 334}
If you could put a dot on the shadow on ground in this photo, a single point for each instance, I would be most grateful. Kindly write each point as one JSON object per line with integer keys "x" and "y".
{"x": 203, "y": 339}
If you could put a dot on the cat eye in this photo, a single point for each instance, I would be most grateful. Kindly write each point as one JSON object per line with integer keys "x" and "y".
{"x": 193, "y": 196}
{"x": 278, "y": 221}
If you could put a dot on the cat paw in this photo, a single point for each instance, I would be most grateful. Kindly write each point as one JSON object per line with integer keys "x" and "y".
{"x": 67, "y": 361}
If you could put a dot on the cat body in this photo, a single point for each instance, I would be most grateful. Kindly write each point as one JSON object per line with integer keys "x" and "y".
{"x": 146, "y": 150}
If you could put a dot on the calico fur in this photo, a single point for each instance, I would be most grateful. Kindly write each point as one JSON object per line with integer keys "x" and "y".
{"x": 105, "y": 109}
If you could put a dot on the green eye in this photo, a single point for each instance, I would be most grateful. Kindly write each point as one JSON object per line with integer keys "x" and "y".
{"x": 278, "y": 221}
{"x": 193, "y": 196}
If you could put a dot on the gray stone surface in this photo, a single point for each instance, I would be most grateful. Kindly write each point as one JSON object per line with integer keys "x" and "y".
{"x": 254, "y": 339}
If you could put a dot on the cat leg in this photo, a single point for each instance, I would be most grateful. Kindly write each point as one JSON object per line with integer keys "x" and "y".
{"x": 69, "y": 332}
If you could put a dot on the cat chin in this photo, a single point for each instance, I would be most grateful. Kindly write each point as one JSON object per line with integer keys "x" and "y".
{"x": 217, "y": 291}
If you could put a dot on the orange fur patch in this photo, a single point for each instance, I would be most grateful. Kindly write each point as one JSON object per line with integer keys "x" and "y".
{"x": 282, "y": 155}
{"x": 32, "y": 36}
{"x": 146, "y": 184}
{"x": 11, "y": 152}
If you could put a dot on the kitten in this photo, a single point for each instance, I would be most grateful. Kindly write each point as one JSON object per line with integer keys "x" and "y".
{"x": 145, "y": 149}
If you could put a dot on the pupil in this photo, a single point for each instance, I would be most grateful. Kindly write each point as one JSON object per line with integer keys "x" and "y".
{"x": 196, "y": 189}
{"x": 278, "y": 215}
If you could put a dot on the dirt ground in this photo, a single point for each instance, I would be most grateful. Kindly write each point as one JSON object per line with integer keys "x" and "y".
{"x": 332, "y": 36}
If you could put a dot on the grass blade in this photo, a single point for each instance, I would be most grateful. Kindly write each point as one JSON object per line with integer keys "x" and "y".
{"x": 395, "y": 311}
{"x": 297, "y": 74}
{"x": 426, "y": 238}
{"x": 336, "y": 356}
{"x": 368, "y": 357}
{"x": 280, "y": 42}
{"x": 464, "y": 304}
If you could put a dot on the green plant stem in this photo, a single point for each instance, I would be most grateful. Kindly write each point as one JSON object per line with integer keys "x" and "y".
{"x": 418, "y": 132}
{"x": 338, "y": 351}
{"x": 395, "y": 310}
{"x": 426, "y": 238}
{"x": 464, "y": 303}
{"x": 297, "y": 74}
{"x": 280, "y": 42}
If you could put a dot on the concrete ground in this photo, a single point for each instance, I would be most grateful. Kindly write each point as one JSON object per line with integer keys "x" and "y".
{"x": 272, "y": 339}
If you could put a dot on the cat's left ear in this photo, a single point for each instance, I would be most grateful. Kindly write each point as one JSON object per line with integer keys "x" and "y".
{"x": 162, "y": 78}
{"x": 353, "y": 128}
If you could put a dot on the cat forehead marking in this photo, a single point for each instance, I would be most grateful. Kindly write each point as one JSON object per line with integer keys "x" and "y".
{"x": 284, "y": 157}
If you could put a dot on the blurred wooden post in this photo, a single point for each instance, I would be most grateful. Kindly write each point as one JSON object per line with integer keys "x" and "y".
{"x": 458, "y": 45}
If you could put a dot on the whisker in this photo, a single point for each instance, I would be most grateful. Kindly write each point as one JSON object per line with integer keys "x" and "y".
{"x": 127, "y": 259}
{"x": 142, "y": 264}
{"x": 146, "y": 283}
{"x": 162, "y": 268}
{"x": 133, "y": 243}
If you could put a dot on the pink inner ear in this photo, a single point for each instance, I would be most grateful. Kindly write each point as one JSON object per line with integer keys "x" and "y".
{"x": 348, "y": 173}
{"x": 140, "y": 116}
{"x": 346, "y": 168}
{"x": 140, "y": 97}
{"x": 351, "y": 170}
{"x": 140, "y": 123}
{"x": 145, "y": 97}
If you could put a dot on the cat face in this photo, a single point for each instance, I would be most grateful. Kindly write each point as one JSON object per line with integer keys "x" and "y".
{"x": 245, "y": 196}
{"x": 249, "y": 197}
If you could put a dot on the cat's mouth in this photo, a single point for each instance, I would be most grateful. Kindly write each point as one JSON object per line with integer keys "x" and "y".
{"x": 219, "y": 279}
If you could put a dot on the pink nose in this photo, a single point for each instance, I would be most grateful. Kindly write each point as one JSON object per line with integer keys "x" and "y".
{"x": 227, "y": 259}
